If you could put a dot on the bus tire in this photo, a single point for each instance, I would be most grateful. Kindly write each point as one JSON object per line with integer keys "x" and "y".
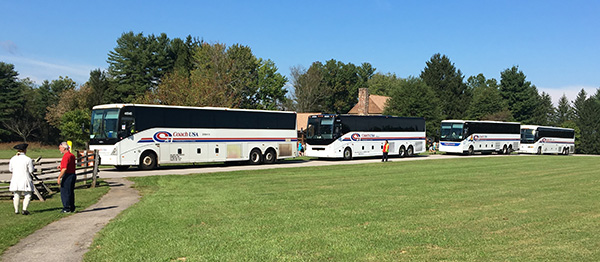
{"x": 256, "y": 158}
{"x": 270, "y": 156}
{"x": 566, "y": 151}
{"x": 148, "y": 160}
{"x": 347, "y": 153}
{"x": 471, "y": 150}
{"x": 539, "y": 150}
{"x": 510, "y": 150}
{"x": 410, "y": 151}
{"x": 505, "y": 150}
{"x": 402, "y": 152}
{"x": 122, "y": 168}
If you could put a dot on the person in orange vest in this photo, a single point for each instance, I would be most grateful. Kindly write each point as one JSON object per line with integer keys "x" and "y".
{"x": 386, "y": 150}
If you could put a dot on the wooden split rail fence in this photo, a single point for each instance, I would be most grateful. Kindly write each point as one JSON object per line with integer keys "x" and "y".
{"x": 46, "y": 173}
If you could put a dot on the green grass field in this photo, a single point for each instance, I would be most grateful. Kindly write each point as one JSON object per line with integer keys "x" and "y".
{"x": 14, "y": 227}
{"x": 34, "y": 150}
{"x": 518, "y": 208}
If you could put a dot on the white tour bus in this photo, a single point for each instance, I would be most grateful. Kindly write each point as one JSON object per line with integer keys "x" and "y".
{"x": 547, "y": 140}
{"x": 466, "y": 136}
{"x": 149, "y": 135}
{"x": 348, "y": 136}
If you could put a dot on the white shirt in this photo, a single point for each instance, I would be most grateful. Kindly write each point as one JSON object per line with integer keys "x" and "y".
{"x": 21, "y": 167}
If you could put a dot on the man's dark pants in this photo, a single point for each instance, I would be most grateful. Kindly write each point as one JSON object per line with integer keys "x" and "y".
{"x": 67, "y": 192}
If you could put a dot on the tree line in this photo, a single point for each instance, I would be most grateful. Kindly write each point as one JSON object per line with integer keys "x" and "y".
{"x": 155, "y": 69}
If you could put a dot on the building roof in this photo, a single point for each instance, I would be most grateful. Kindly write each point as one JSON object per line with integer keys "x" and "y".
{"x": 376, "y": 105}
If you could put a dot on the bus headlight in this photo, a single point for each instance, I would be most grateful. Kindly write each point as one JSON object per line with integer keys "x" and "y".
{"x": 114, "y": 152}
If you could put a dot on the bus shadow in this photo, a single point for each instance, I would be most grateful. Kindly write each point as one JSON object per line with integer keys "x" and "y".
{"x": 213, "y": 165}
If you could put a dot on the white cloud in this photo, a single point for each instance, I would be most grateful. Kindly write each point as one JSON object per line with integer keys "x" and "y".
{"x": 570, "y": 91}
{"x": 38, "y": 70}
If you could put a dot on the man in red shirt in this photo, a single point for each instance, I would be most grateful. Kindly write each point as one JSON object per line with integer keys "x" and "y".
{"x": 67, "y": 178}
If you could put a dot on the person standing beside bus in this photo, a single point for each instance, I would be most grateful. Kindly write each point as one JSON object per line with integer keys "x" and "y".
{"x": 386, "y": 150}
{"x": 21, "y": 167}
{"x": 67, "y": 178}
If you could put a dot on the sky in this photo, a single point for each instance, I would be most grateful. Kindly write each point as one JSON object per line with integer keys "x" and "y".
{"x": 555, "y": 43}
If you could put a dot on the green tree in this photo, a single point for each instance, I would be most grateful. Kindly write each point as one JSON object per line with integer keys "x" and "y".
{"x": 309, "y": 92}
{"x": 383, "y": 84}
{"x": 138, "y": 63}
{"x": 588, "y": 122}
{"x": 487, "y": 103}
{"x": 522, "y": 98}
{"x": 270, "y": 94}
{"x": 11, "y": 99}
{"x": 564, "y": 111}
{"x": 74, "y": 126}
{"x": 342, "y": 82}
{"x": 414, "y": 98}
{"x": 544, "y": 112}
{"x": 447, "y": 82}
{"x": 103, "y": 88}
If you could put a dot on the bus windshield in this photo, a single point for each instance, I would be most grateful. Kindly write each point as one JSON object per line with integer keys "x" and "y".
{"x": 104, "y": 124}
{"x": 451, "y": 132}
{"x": 527, "y": 136}
{"x": 320, "y": 128}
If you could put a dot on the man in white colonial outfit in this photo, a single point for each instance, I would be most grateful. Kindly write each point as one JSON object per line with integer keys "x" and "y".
{"x": 21, "y": 183}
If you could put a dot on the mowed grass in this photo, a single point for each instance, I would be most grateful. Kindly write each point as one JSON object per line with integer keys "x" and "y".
{"x": 34, "y": 150}
{"x": 14, "y": 227}
{"x": 515, "y": 208}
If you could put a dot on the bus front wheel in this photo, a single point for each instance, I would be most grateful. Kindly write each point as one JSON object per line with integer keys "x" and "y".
{"x": 148, "y": 160}
{"x": 347, "y": 153}
{"x": 255, "y": 157}
{"x": 471, "y": 150}
{"x": 539, "y": 151}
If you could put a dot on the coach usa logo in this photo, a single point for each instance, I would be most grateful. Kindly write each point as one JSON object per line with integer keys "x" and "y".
{"x": 355, "y": 137}
{"x": 163, "y": 136}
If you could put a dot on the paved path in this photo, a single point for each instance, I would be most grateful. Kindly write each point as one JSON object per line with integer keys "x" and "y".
{"x": 69, "y": 238}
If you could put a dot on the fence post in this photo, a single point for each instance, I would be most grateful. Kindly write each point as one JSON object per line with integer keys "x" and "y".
{"x": 41, "y": 172}
{"x": 86, "y": 167}
{"x": 95, "y": 172}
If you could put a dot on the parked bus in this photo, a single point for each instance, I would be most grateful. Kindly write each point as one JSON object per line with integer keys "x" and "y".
{"x": 150, "y": 135}
{"x": 465, "y": 136}
{"x": 348, "y": 136}
{"x": 547, "y": 140}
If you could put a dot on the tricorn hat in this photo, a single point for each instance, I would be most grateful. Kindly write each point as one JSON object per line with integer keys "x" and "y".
{"x": 21, "y": 147}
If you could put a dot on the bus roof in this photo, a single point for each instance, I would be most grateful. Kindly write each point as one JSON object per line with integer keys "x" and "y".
{"x": 373, "y": 116}
{"x": 549, "y": 127}
{"x": 477, "y": 121}
{"x": 108, "y": 106}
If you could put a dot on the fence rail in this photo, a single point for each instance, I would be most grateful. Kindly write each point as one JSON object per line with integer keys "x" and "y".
{"x": 45, "y": 178}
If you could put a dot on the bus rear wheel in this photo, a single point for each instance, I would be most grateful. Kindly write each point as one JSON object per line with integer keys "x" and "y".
{"x": 347, "y": 153}
{"x": 270, "y": 156}
{"x": 410, "y": 151}
{"x": 566, "y": 151}
{"x": 505, "y": 150}
{"x": 255, "y": 157}
{"x": 147, "y": 161}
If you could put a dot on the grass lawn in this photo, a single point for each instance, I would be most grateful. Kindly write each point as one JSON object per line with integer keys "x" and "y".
{"x": 517, "y": 208}
{"x": 14, "y": 227}
{"x": 34, "y": 150}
